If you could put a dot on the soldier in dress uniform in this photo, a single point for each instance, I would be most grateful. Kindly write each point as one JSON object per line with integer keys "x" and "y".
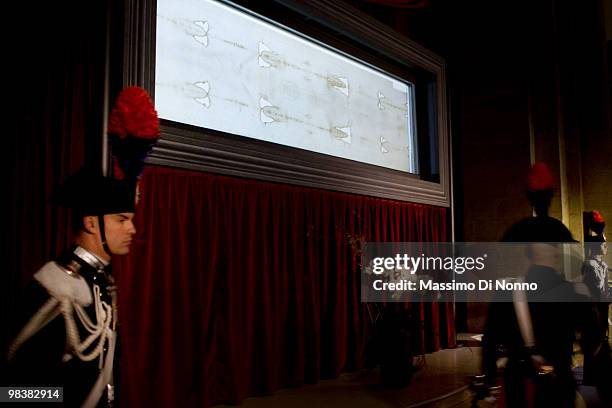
{"x": 536, "y": 338}
{"x": 597, "y": 366}
{"x": 595, "y": 269}
{"x": 67, "y": 333}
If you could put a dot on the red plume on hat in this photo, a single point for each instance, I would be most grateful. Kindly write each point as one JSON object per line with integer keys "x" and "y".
{"x": 540, "y": 178}
{"x": 597, "y": 217}
{"x": 596, "y": 223}
{"x": 134, "y": 115}
{"x": 133, "y": 129}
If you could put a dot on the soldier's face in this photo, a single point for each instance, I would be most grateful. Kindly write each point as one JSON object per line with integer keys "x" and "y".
{"x": 119, "y": 230}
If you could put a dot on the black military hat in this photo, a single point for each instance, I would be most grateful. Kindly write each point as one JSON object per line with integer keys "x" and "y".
{"x": 90, "y": 193}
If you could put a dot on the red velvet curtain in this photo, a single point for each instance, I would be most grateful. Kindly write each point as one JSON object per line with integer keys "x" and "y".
{"x": 237, "y": 287}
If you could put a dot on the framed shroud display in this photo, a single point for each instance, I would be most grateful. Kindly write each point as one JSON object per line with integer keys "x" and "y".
{"x": 314, "y": 94}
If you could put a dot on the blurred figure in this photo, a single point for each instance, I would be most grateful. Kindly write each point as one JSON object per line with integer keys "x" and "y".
{"x": 597, "y": 365}
{"x": 595, "y": 270}
{"x": 535, "y": 339}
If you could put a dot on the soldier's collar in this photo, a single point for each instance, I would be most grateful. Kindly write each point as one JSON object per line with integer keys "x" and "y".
{"x": 90, "y": 259}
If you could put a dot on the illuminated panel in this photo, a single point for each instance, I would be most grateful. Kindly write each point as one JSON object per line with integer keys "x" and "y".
{"x": 222, "y": 68}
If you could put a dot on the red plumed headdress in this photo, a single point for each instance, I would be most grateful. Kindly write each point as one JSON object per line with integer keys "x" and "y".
{"x": 540, "y": 178}
{"x": 596, "y": 216}
{"x": 133, "y": 129}
{"x": 134, "y": 115}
